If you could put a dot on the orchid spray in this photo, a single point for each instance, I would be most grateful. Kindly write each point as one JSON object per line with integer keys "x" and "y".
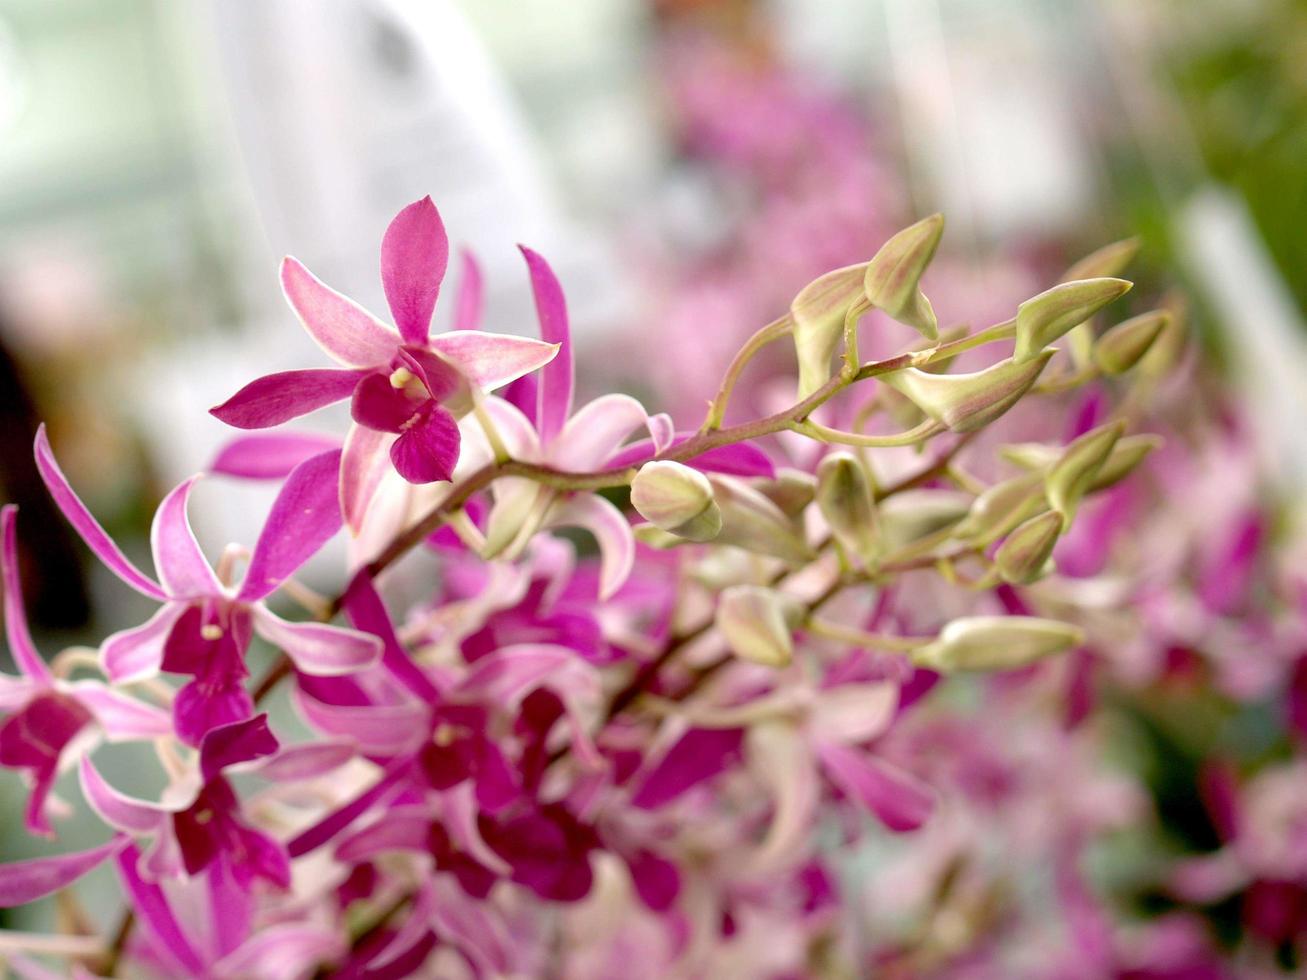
{"x": 632, "y": 758}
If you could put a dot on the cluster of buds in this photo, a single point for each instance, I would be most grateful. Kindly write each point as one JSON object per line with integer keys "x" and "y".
{"x": 555, "y": 753}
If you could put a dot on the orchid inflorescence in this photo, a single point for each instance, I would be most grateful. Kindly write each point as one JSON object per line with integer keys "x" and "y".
{"x": 551, "y": 760}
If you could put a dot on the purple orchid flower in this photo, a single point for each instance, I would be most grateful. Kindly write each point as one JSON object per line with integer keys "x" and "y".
{"x": 44, "y": 716}
{"x": 204, "y": 626}
{"x": 407, "y": 389}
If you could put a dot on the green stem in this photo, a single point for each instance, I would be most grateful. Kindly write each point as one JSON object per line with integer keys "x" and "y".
{"x": 822, "y": 433}
{"x": 772, "y": 331}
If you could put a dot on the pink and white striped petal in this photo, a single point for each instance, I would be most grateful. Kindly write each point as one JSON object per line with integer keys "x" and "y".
{"x": 853, "y": 713}
{"x": 594, "y": 434}
{"x": 414, "y": 254}
{"x": 363, "y": 463}
{"x": 318, "y": 648}
{"x": 900, "y": 800}
{"x": 123, "y": 813}
{"x": 29, "y": 662}
{"x": 277, "y": 398}
{"x": 122, "y": 718}
{"x": 286, "y": 949}
{"x": 611, "y": 530}
{"x": 385, "y": 730}
{"x": 342, "y": 328}
{"x": 492, "y": 360}
{"x": 86, "y": 525}
{"x": 26, "y": 881}
{"x": 137, "y": 653}
{"x": 308, "y": 760}
{"x": 469, "y": 301}
{"x": 178, "y": 561}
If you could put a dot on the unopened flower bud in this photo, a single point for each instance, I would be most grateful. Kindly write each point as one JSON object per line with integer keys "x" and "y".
{"x": 845, "y": 499}
{"x": 1001, "y": 508}
{"x": 1023, "y": 557}
{"x": 893, "y": 276}
{"x": 1167, "y": 349}
{"x": 997, "y": 643}
{"x": 1044, "y": 318}
{"x": 792, "y": 491}
{"x": 1122, "y": 347}
{"x": 758, "y": 624}
{"x": 1030, "y": 455}
{"x": 1073, "y": 474}
{"x": 965, "y": 402}
{"x": 911, "y": 515}
{"x": 677, "y": 499}
{"x": 752, "y": 522}
{"x": 1110, "y": 260}
{"x": 818, "y": 313}
{"x": 1128, "y": 453}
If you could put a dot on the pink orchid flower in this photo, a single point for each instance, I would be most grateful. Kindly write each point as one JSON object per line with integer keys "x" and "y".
{"x": 407, "y": 388}
{"x": 204, "y": 626}
{"x": 44, "y": 716}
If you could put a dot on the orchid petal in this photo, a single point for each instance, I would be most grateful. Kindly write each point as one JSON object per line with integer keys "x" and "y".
{"x": 305, "y": 515}
{"x": 156, "y": 916}
{"x": 591, "y": 436}
{"x": 900, "y": 800}
{"x": 122, "y": 718}
{"x": 26, "y": 881}
{"x": 362, "y": 466}
{"x": 379, "y": 405}
{"x": 135, "y": 654}
{"x": 662, "y": 430}
{"x": 427, "y": 451}
{"x": 342, "y": 328}
{"x": 854, "y": 713}
{"x": 121, "y": 812}
{"x": 469, "y": 301}
{"x": 382, "y": 729}
{"x": 556, "y": 382}
{"x": 276, "y": 398}
{"x": 201, "y": 707}
{"x": 737, "y": 459}
{"x": 492, "y": 360}
{"x": 460, "y": 813}
{"x": 314, "y": 836}
{"x": 269, "y": 455}
{"x": 286, "y": 949}
{"x": 698, "y": 755}
{"x": 235, "y": 744}
{"x": 363, "y": 606}
{"x": 611, "y": 531}
{"x": 398, "y": 829}
{"x": 308, "y": 760}
{"x": 508, "y": 674}
{"x": 414, "y": 253}
{"x": 85, "y": 524}
{"x": 779, "y": 756}
{"x": 182, "y": 568}
{"x": 514, "y": 428}
{"x": 318, "y": 648}
{"x": 21, "y": 647}
{"x": 16, "y": 692}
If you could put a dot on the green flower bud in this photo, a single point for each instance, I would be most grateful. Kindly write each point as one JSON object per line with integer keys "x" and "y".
{"x": 1110, "y": 260}
{"x": 892, "y": 281}
{"x": 1001, "y": 508}
{"x": 1023, "y": 557}
{"x": 752, "y": 522}
{"x": 818, "y": 313}
{"x": 845, "y": 499}
{"x": 792, "y": 491}
{"x": 1128, "y": 453}
{"x": 1070, "y": 477}
{"x": 1044, "y": 318}
{"x": 997, "y": 643}
{"x": 758, "y": 624}
{"x": 1030, "y": 455}
{"x": 1166, "y": 350}
{"x": 909, "y": 516}
{"x": 677, "y": 499}
{"x": 965, "y": 402}
{"x": 1121, "y": 347}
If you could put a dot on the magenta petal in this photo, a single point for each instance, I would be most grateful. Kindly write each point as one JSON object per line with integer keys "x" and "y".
{"x": 414, "y": 253}
{"x": 900, "y": 800}
{"x": 287, "y": 949}
{"x": 307, "y": 760}
{"x": 612, "y": 531}
{"x": 230, "y": 745}
{"x": 305, "y": 515}
{"x": 380, "y": 405}
{"x": 87, "y": 526}
{"x": 21, "y": 647}
{"x": 342, "y": 328}
{"x": 337, "y": 820}
{"x": 428, "y": 451}
{"x": 469, "y": 300}
{"x": 656, "y": 880}
{"x": 156, "y": 917}
{"x": 121, "y": 717}
{"x": 26, "y": 881}
{"x": 362, "y": 467}
{"x": 200, "y": 707}
{"x": 555, "y": 390}
{"x": 181, "y": 566}
{"x": 318, "y": 648}
{"x": 397, "y": 830}
{"x": 738, "y": 459}
{"x": 277, "y": 398}
{"x": 699, "y": 754}
{"x": 367, "y": 612}
{"x": 269, "y": 455}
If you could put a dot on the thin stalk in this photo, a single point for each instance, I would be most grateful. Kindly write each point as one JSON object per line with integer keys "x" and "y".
{"x": 822, "y": 433}
{"x": 772, "y": 331}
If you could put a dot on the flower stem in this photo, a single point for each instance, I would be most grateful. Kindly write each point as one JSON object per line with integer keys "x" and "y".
{"x": 772, "y": 331}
